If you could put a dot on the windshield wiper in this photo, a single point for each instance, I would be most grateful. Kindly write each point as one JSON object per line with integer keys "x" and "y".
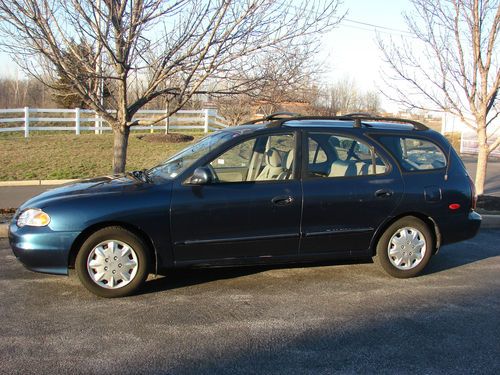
{"x": 142, "y": 175}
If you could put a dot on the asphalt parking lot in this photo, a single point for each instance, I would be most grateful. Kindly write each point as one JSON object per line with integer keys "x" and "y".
{"x": 308, "y": 319}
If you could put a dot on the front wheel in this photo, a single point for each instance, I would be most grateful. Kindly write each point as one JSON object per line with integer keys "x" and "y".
{"x": 405, "y": 248}
{"x": 112, "y": 262}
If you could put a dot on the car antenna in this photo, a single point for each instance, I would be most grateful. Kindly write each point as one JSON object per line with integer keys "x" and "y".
{"x": 449, "y": 149}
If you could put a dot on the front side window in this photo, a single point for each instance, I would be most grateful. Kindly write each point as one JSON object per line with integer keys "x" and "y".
{"x": 343, "y": 157}
{"x": 264, "y": 158}
{"x": 415, "y": 154}
{"x": 179, "y": 162}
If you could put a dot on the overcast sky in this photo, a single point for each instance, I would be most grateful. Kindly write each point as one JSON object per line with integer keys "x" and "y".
{"x": 350, "y": 50}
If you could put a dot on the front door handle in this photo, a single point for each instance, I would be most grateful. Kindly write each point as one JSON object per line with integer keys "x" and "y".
{"x": 282, "y": 200}
{"x": 384, "y": 193}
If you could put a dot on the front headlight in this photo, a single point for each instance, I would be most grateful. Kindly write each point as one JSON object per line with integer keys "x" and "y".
{"x": 33, "y": 217}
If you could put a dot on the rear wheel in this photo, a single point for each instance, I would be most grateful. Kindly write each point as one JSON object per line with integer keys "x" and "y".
{"x": 405, "y": 248}
{"x": 112, "y": 262}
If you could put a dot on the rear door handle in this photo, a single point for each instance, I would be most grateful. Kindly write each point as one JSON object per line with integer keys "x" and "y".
{"x": 282, "y": 200}
{"x": 384, "y": 193}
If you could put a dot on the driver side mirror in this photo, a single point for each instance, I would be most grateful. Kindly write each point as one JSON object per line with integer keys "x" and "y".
{"x": 201, "y": 176}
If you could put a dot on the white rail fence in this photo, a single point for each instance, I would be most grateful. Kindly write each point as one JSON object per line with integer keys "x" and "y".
{"x": 75, "y": 120}
{"x": 469, "y": 144}
{"x": 468, "y": 138}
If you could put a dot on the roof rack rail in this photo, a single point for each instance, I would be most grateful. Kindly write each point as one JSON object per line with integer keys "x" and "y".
{"x": 359, "y": 120}
{"x": 360, "y": 114}
{"x": 273, "y": 117}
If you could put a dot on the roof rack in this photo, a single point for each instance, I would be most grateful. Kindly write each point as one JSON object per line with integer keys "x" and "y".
{"x": 359, "y": 119}
{"x": 274, "y": 117}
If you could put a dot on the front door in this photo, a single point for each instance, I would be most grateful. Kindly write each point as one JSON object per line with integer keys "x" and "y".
{"x": 251, "y": 209}
{"x": 349, "y": 190}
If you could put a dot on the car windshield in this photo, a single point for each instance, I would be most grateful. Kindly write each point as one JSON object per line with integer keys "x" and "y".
{"x": 178, "y": 163}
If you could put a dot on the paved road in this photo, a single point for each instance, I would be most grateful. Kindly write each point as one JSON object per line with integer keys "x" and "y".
{"x": 492, "y": 186}
{"x": 347, "y": 319}
{"x": 14, "y": 196}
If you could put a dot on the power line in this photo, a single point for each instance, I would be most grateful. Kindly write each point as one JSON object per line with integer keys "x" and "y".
{"x": 371, "y": 30}
{"x": 377, "y": 26}
{"x": 384, "y": 29}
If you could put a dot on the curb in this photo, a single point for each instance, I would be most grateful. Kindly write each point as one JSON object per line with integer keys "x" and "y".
{"x": 35, "y": 182}
{"x": 489, "y": 222}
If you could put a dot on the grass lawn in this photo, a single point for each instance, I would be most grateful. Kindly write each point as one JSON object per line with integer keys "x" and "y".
{"x": 64, "y": 156}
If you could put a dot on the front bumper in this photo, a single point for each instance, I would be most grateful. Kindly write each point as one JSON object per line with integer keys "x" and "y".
{"x": 42, "y": 249}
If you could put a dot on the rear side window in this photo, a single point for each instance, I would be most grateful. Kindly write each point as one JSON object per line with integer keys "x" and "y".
{"x": 415, "y": 154}
{"x": 316, "y": 154}
{"x": 342, "y": 156}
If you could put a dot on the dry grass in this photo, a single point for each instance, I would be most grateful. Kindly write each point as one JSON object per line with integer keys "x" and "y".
{"x": 64, "y": 156}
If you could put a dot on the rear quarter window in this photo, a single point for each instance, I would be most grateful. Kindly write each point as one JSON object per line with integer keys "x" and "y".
{"x": 415, "y": 154}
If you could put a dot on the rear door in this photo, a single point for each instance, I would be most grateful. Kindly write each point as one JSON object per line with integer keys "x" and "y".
{"x": 349, "y": 188}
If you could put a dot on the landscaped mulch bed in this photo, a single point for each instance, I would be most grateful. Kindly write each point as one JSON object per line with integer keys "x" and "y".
{"x": 166, "y": 138}
{"x": 6, "y": 215}
{"x": 5, "y": 219}
{"x": 488, "y": 203}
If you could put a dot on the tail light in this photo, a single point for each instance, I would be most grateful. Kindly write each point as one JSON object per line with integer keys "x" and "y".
{"x": 473, "y": 196}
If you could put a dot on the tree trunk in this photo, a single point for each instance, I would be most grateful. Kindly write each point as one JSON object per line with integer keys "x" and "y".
{"x": 482, "y": 159}
{"x": 120, "y": 144}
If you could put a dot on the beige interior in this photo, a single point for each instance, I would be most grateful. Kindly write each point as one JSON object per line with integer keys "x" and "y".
{"x": 273, "y": 167}
{"x": 340, "y": 168}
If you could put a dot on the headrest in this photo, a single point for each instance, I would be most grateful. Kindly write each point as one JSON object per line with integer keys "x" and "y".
{"x": 273, "y": 157}
{"x": 334, "y": 141}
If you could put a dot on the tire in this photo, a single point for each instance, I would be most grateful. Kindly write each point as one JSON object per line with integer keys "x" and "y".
{"x": 405, "y": 248}
{"x": 113, "y": 262}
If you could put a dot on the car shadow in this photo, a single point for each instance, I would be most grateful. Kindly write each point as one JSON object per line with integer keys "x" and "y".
{"x": 464, "y": 253}
{"x": 449, "y": 257}
{"x": 180, "y": 278}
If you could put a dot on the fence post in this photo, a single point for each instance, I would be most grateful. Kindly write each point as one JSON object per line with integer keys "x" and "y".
{"x": 77, "y": 121}
{"x": 209, "y": 112}
{"x": 26, "y": 122}
{"x": 96, "y": 124}
{"x": 167, "y": 124}
{"x": 205, "y": 128}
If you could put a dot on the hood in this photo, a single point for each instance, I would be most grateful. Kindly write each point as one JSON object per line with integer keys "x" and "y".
{"x": 101, "y": 185}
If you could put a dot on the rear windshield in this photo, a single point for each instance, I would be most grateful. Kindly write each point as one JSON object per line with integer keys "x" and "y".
{"x": 414, "y": 154}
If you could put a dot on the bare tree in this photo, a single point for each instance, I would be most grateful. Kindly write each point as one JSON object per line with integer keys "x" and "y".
{"x": 370, "y": 102}
{"x": 235, "y": 108}
{"x": 158, "y": 47}
{"x": 285, "y": 77}
{"x": 344, "y": 96}
{"x": 450, "y": 63}
{"x": 16, "y": 93}
{"x": 286, "y": 82}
